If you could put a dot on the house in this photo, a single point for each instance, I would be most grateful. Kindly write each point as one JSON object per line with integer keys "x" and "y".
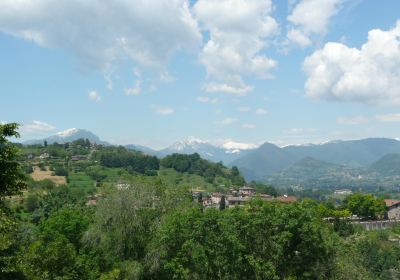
{"x": 343, "y": 192}
{"x": 247, "y": 191}
{"x": 207, "y": 201}
{"x": 286, "y": 198}
{"x": 216, "y": 197}
{"x": 236, "y": 201}
{"x": 393, "y": 206}
{"x": 44, "y": 156}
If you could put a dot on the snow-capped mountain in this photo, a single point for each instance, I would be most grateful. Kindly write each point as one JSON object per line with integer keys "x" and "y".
{"x": 68, "y": 135}
{"x": 225, "y": 152}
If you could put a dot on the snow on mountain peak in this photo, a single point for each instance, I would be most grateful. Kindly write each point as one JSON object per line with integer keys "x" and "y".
{"x": 67, "y": 132}
{"x": 236, "y": 146}
{"x": 190, "y": 142}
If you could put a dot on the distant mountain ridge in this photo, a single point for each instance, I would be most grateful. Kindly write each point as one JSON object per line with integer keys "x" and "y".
{"x": 226, "y": 152}
{"x": 269, "y": 159}
{"x": 336, "y": 161}
{"x": 68, "y": 135}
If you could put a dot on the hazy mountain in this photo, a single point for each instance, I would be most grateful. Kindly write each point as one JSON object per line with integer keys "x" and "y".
{"x": 269, "y": 159}
{"x": 226, "y": 153}
{"x": 143, "y": 149}
{"x": 311, "y": 172}
{"x": 389, "y": 165}
{"x": 68, "y": 135}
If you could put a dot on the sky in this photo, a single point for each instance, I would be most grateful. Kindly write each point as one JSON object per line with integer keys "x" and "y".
{"x": 153, "y": 72}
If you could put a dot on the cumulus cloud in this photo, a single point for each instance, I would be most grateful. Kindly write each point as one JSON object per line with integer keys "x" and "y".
{"x": 370, "y": 74}
{"x": 227, "y": 121}
{"x": 388, "y": 117}
{"x": 311, "y": 17}
{"x": 163, "y": 110}
{"x": 101, "y": 33}
{"x": 261, "y": 111}
{"x": 352, "y": 120}
{"x": 36, "y": 128}
{"x": 94, "y": 96}
{"x": 238, "y": 30}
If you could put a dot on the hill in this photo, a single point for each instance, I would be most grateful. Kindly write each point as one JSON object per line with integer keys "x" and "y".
{"x": 310, "y": 172}
{"x": 269, "y": 159}
{"x": 388, "y": 165}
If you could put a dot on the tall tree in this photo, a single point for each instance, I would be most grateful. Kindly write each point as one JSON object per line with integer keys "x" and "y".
{"x": 11, "y": 176}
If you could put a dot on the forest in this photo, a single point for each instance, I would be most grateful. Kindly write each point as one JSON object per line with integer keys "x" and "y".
{"x": 152, "y": 228}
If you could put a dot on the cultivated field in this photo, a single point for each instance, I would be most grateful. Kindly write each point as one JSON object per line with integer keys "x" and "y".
{"x": 38, "y": 175}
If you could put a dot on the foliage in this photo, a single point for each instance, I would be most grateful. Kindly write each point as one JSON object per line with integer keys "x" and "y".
{"x": 365, "y": 205}
{"x": 264, "y": 241}
{"x": 11, "y": 176}
{"x": 194, "y": 164}
{"x": 60, "y": 171}
{"x": 131, "y": 160}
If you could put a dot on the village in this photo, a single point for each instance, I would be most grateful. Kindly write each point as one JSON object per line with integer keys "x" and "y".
{"x": 235, "y": 197}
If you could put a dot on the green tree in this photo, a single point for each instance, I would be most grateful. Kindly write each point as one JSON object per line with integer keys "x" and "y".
{"x": 365, "y": 205}
{"x": 12, "y": 180}
{"x": 222, "y": 203}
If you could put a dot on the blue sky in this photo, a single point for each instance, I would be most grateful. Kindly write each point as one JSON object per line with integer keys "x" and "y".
{"x": 154, "y": 72}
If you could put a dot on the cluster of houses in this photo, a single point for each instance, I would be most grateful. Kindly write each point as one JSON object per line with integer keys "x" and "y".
{"x": 236, "y": 197}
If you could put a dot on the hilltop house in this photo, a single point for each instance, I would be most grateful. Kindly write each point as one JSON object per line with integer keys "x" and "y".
{"x": 393, "y": 206}
{"x": 247, "y": 191}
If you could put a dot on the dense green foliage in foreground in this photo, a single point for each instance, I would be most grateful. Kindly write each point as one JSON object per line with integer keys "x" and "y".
{"x": 153, "y": 229}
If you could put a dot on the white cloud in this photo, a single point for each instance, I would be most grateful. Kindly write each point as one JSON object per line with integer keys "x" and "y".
{"x": 244, "y": 109}
{"x": 238, "y": 30}
{"x": 352, "y": 120}
{"x": 248, "y": 125}
{"x": 239, "y": 89}
{"x": 311, "y": 17}
{"x": 388, "y": 117}
{"x": 163, "y": 110}
{"x": 206, "y": 99}
{"x": 36, "y": 128}
{"x": 227, "y": 121}
{"x": 100, "y": 33}
{"x": 367, "y": 75}
{"x": 261, "y": 111}
{"x": 94, "y": 96}
{"x": 3, "y": 122}
{"x": 136, "y": 90}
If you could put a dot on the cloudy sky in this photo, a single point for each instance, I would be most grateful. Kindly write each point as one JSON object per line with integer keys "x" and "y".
{"x": 152, "y": 72}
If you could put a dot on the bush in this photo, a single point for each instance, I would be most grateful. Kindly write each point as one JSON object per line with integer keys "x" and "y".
{"x": 61, "y": 171}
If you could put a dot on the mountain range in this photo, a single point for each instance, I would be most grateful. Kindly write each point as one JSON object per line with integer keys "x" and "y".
{"x": 335, "y": 161}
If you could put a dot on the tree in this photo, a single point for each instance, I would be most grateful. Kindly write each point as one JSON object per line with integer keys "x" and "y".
{"x": 12, "y": 180}
{"x": 45, "y": 143}
{"x": 222, "y": 203}
{"x": 264, "y": 240}
{"x": 365, "y": 205}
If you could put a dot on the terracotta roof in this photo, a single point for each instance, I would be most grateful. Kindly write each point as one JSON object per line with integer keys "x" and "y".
{"x": 286, "y": 198}
{"x": 391, "y": 202}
